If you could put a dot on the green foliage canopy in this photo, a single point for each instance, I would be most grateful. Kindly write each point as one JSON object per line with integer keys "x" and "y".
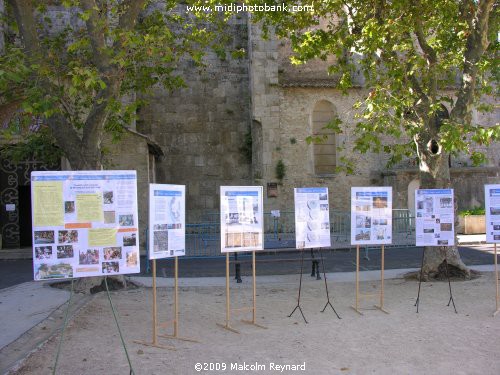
{"x": 414, "y": 57}
{"x": 83, "y": 67}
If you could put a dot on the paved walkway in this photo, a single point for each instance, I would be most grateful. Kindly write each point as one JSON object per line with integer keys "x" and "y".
{"x": 25, "y": 307}
{"x": 32, "y": 312}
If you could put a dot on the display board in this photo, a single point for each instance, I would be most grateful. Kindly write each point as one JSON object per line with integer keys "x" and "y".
{"x": 167, "y": 221}
{"x": 371, "y": 215}
{"x": 241, "y": 218}
{"x": 492, "y": 207}
{"x": 435, "y": 217}
{"x": 312, "y": 218}
{"x": 85, "y": 223}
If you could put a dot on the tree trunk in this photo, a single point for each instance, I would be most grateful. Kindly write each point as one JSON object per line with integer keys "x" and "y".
{"x": 435, "y": 174}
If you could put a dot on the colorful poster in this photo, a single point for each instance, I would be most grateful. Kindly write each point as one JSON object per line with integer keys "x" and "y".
{"x": 312, "y": 218}
{"x": 241, "y": 218}
{"x": 371, "y": 215}
{"x": 435, "y": 217}
{"x": 492, "y": 207}
{"x": 85, "y": 223}
{"x": 167, "y": 221}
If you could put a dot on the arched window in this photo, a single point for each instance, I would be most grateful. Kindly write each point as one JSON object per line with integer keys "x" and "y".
{"x": 324, "y": 151}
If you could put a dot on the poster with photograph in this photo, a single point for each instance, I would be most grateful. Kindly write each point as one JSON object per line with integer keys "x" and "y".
{"x": 85, "y": 223}
{"x": 167, "y": 221}
{"x": 371, "y": 215}
{"x": 241, "y": 218}
{"x": 492, "y": 208}
{"x": 312, "y": 218}
{"x": 435, "y": 218}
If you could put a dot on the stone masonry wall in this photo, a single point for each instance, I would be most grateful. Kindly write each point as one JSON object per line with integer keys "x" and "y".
{"x": 201, "y": 128}
{"x": 296, "y": 125}
{"x": 283, "y": 98}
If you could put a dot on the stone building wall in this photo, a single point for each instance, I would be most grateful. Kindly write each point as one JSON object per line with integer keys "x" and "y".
{"x": 296, "y": 107}
{"x": 202, "y": 128}
{"x": 283, "y": 99}
{"x": 265, "y": 100}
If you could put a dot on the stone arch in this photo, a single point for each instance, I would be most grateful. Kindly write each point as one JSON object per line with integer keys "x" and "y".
{"x": 324, "y": 151}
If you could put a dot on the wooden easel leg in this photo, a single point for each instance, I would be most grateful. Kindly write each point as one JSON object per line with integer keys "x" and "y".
{"x": 154, "y": 343}
{"x": 496, "y": 283}
{"x": 176, "y": 295}
{"x": 228, "y": 309}
{"x": 254, "y": 309}
{"x": 176, "y": 307}
{"x": 382, "y": 265}
{"x": 155, "y": 309}
{"x": 356, "y": 306}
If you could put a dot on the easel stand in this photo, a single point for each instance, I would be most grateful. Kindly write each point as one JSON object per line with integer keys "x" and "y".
{"x": 380, "y": 294}
{"x": 227, "y": 325}
{"x": 496, "y": 283}
{"x": 66, "y": 323}
{"x": 417, "y": 302}
{"x": 176, "y": 307}
{"x": 326, "y": 287}
{"x": 300, "y": 288}
{"x": 154, "y": 341}
{"x": 64, "y": 328}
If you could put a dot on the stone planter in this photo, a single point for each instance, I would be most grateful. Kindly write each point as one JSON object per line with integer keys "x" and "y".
{"x": 472, "y": 224}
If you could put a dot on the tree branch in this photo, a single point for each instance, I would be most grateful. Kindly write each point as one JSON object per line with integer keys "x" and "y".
{"x": 422, "y": 42}
{"x": 94, "y": 124}
{"x": 476, "y": 45}
{"x": 24, "y": 12}
{"x": 96, "y": 35}
{"x": 65, "y": 135}
{"x": 428, "y": 51}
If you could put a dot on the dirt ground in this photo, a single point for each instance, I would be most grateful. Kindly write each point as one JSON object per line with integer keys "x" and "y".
{"x": 434, "y": 341}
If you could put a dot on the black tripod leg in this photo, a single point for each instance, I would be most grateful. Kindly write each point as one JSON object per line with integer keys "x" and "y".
{"x": 449, "y": 285}
{"x": 326, "y": 287}
{"x": 300, "y": 309}
{"x": 300, "y": 288}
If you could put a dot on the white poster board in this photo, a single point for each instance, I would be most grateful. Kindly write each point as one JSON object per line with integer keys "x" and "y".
{"x": 312, "y": 218}
{"x": 492, "y": 207}
{"x": 435, "y": 217}
{"x": 241, "y": 218}
{"x": 167, "y": 221}
{"x": 371, "y": 215}
{"x": 85, "y": 223}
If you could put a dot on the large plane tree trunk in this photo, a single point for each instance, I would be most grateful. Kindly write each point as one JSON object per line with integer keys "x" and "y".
{"x": 435, "y": 174}
{"x": 433, "y": 160}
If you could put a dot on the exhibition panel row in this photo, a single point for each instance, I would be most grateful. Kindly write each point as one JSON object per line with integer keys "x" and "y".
{"x": 85, "y": 223}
